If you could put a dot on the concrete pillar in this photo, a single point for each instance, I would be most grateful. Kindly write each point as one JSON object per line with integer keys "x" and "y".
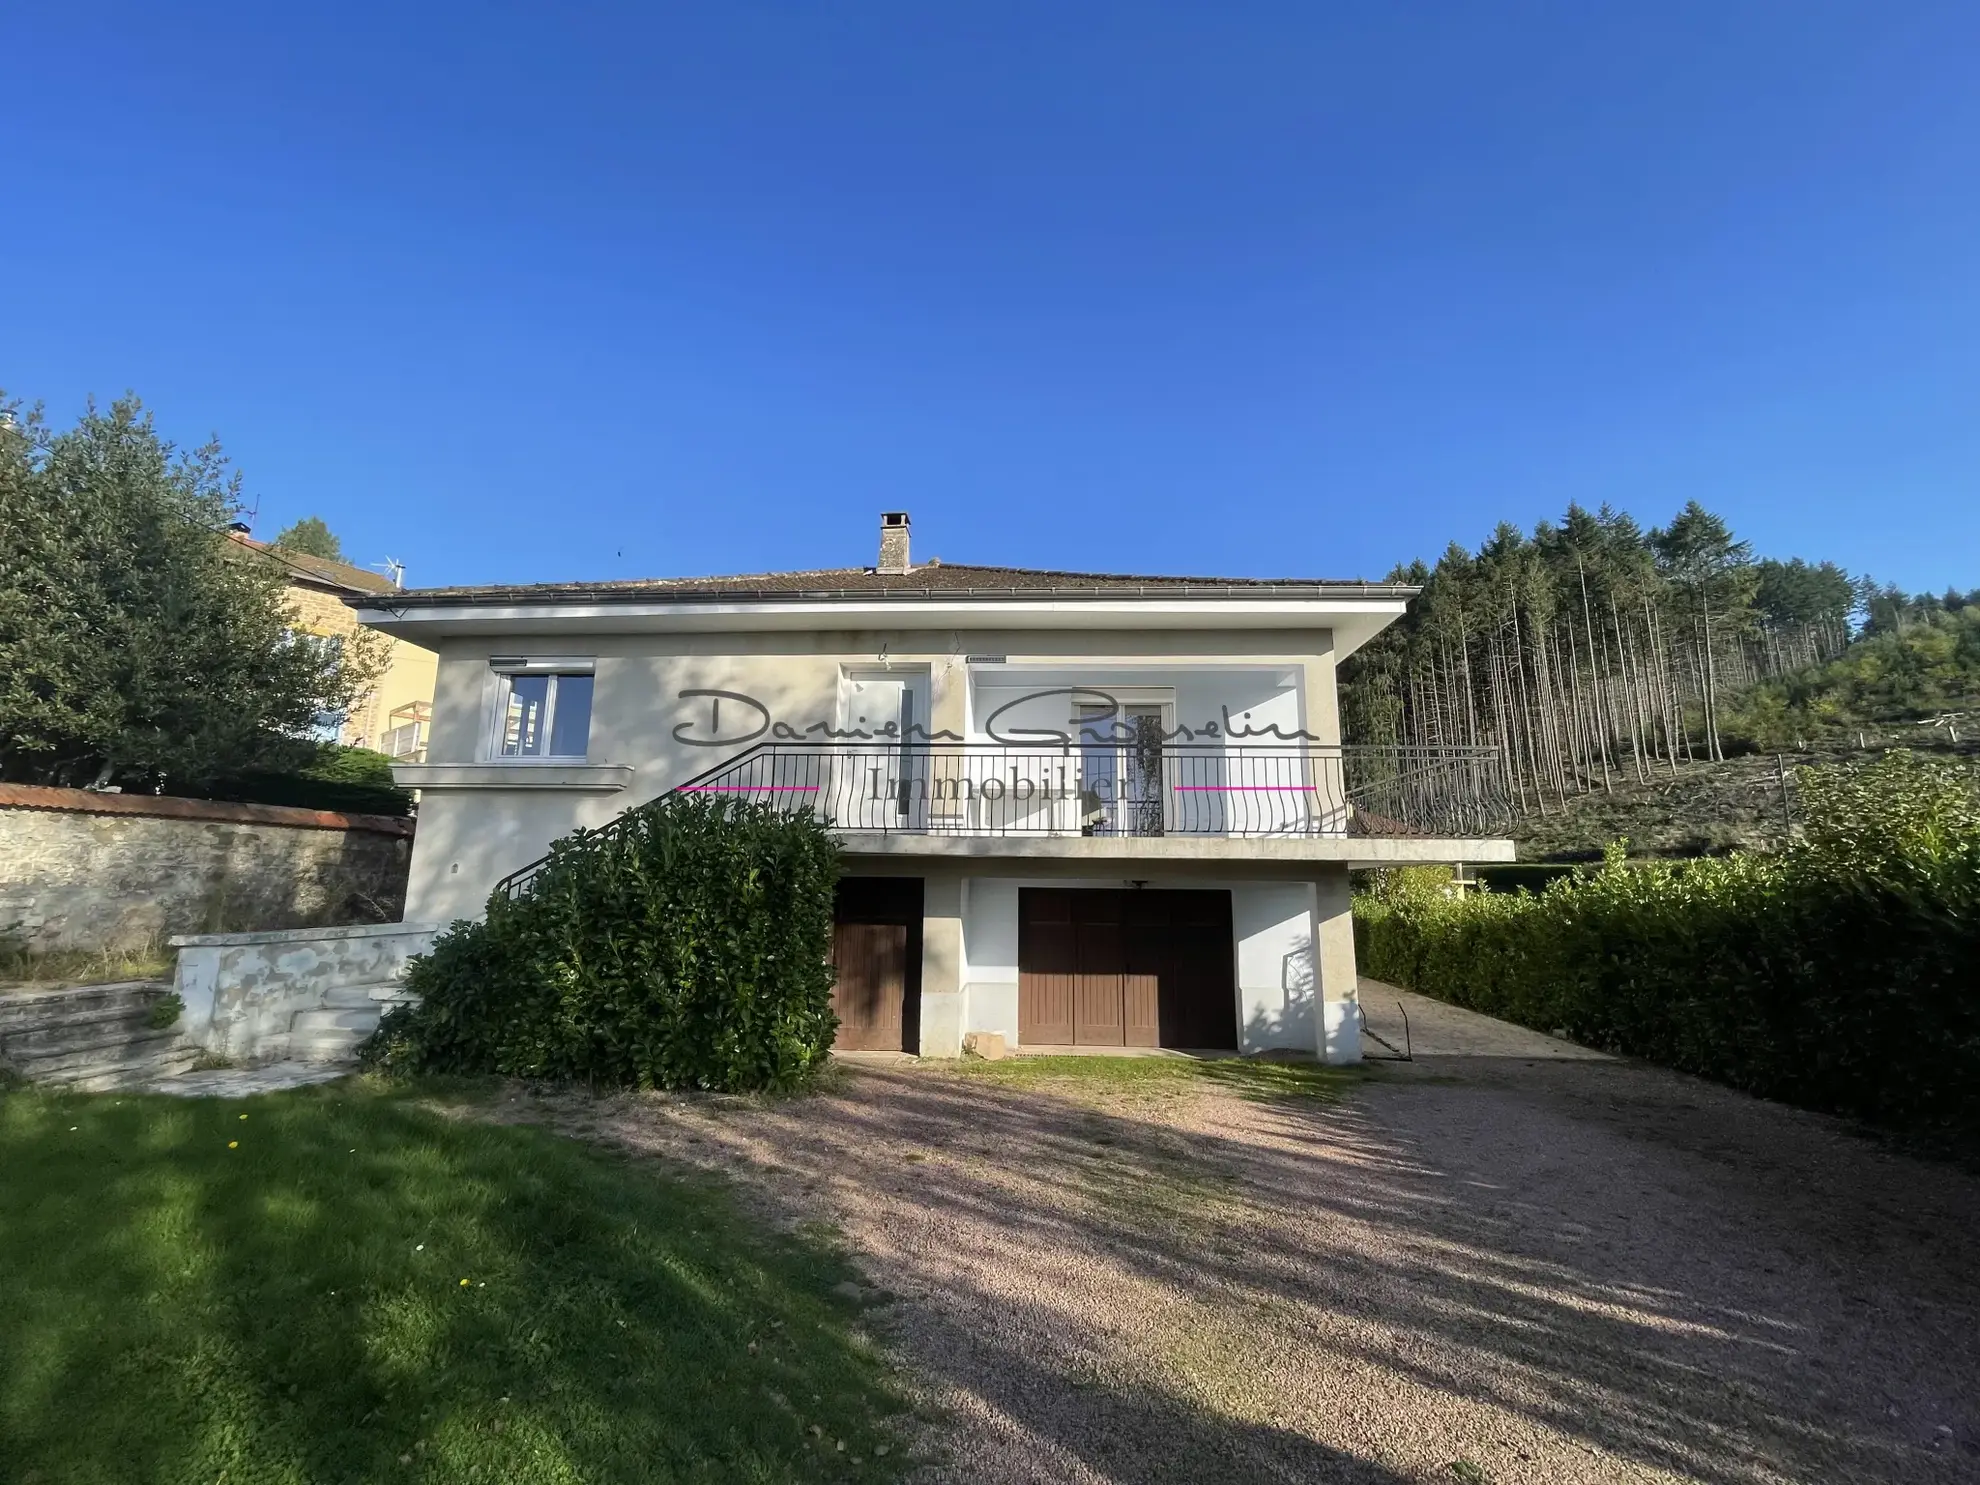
{"x": 1333, "y": 967}
{"x": 941, "y": 966}
{"x": 948, "y": 707}
{"x": 1322, "y": 723}
{"x": 1323, "y": 707}
{"x": 948, "y": 714}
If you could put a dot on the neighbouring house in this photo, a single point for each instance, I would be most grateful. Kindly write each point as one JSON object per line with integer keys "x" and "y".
{"x": 393, "y": 716}
{"x": 1076, "y": 809}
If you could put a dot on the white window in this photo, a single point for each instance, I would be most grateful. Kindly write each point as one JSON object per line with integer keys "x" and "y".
{"x": 542, "y": 709}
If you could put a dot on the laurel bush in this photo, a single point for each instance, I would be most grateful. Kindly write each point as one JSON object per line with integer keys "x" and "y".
{"x": 685, "y": 947}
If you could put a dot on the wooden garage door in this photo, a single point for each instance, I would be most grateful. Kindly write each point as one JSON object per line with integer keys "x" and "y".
{"x": 1125, "y": 968}
{"x": 876, "y": 951}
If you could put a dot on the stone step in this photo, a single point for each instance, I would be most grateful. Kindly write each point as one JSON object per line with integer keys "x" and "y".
{"x": 73, "y": 1033}
{"x": 18, "y": 1007}
{"x": 60, "y": 1016}
{"x": 365, "y": 1020}
{"x": 327, "y": 1044}
{"x": 112, "y": 1077}
{"x": 243, "y": 1082}
{"x": 360, "y": 997}
{"x": 66, "y": 1062}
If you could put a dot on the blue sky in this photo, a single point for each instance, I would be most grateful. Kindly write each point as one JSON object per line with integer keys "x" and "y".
{"x": 528, "y": 292}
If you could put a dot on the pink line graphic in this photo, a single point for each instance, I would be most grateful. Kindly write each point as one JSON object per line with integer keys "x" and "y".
{"x": 1240, "y": 788}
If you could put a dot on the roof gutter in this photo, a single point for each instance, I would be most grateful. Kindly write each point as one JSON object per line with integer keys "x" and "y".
{"x": 403, "y": 600}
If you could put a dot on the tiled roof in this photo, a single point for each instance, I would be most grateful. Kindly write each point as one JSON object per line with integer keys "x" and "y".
{"x": 952, "y": 579}
{"x": 308, "y": 569}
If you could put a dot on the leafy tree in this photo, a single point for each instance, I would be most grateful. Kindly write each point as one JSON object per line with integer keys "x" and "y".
{"x": 1889, "y": 609}
{"x": 137, "y": 646}
{"x": 311, "y": 538}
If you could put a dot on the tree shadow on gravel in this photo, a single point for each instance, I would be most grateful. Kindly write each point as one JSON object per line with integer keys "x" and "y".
{"x": 1379, "y": 1269}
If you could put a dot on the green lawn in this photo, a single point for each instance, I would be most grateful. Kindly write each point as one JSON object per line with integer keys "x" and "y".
{"x": 344, "y": 1284}
{"x": 1157, "y": 1076}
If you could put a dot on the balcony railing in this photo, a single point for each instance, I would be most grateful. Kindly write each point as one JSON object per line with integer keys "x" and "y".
{"x": 1120, "y": 789}
{"x": 405, "y": 743}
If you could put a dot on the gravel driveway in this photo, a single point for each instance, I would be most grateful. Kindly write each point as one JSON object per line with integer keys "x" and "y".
{"x": 1511, "y": 1260}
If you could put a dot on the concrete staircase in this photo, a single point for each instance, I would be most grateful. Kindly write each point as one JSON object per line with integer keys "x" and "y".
{"x": 91, "y": 1037}
{"x": 347, "y": 1014}
{"x": 301, "y": 996}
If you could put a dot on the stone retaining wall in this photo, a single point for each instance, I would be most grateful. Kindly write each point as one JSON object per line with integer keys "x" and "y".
{"x": 88, "y": 871}
{"x": 243, "y": 992}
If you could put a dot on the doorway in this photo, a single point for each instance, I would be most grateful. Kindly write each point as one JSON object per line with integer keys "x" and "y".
{"x": 876, "y": 951}
{"x": 884, "y": 763}
{"x": 1120, "y": 770}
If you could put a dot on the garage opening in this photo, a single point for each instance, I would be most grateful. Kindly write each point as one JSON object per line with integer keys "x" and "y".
{"x": 876, "y": 949}
{"x": 1126, "y": 968}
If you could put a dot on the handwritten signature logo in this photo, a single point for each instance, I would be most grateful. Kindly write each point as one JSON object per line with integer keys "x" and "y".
{"x": 735, "y": 719}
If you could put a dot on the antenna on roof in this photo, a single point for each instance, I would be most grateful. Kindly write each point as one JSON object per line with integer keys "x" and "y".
{"x": 395, "y": 570}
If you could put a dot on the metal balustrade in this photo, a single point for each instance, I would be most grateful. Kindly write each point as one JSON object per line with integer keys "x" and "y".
{"x": 1138, "y": 787}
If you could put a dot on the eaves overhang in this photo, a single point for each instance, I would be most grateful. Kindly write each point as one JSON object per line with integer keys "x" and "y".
{"x": 1354, "y": 612}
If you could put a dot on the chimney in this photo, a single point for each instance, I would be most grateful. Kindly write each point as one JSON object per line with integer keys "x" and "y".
{"x": 894, "y": 541}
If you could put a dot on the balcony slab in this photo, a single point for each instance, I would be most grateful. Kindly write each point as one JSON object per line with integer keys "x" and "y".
{"x": 1258, "y": 857}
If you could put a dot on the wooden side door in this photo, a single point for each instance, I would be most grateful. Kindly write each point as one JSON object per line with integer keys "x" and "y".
{"x": 870, "y": 994}
{"x": 1199, "y": 972}
{"x": 876, "y": 951}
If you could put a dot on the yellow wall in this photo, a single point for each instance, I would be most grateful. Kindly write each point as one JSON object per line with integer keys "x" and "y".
{"x": 408, "y": 675}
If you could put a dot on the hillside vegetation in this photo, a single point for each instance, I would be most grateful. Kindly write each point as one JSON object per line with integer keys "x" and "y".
{"x": 1593, "y": 651}
{"x": 1628, "y": 677}
{"x": 1919, "y": 663}
{"x": 1910, "y": 681}
{"x": 1747, "y": 803}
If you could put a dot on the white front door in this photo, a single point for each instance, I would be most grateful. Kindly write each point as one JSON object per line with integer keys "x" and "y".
{"x": 884, "y": 765}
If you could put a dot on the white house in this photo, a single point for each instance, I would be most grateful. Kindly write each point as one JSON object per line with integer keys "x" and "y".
{"x": 1077, "y": 809}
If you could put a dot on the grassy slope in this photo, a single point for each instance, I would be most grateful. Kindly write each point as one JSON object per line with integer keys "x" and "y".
{"x": 1707, "y": 808}
{"x": 187, "y": 1294}
{"x": 20, "y": 970}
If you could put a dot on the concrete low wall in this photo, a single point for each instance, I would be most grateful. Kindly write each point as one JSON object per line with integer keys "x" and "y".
{"x": 244, "y": 991}
{"x": 80, "y": 870}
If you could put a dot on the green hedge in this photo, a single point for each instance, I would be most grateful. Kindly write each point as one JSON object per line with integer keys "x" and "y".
{"x": 1843, "y": 974}
{"x": 686, "y": 948}
{"x": 353, "y": 781}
